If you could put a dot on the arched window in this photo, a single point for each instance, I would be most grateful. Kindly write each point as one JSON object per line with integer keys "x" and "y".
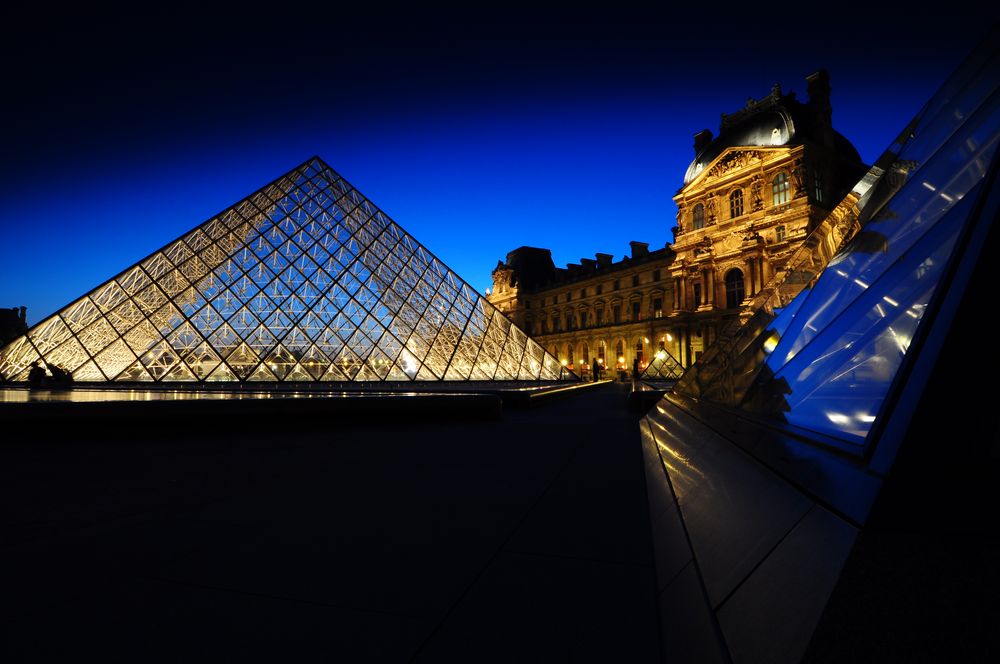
{"x": 698, "y": 216}
{"x": 734, "y": 288}
{"x": 736, "y": 203}
{"x": 638, "y": 350}
{"x": 779, "y": 188}
{"x": 585, "y": 354}
{"x": 620, "y": 352}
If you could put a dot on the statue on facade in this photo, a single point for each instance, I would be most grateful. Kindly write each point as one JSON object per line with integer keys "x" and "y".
{"x": 756, "y": 202}
{"x": 799, "y": 178}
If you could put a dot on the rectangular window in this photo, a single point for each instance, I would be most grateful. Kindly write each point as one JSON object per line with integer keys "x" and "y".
{"x": 697, "y": 294}
{"x": 600, "y": 317}
{"x": 600, "y": 288}
{"x": 583, "y": 293}
{"x": 555, "y": 323}
{"x": 635, "y": 311}
{"x": 656, "y": 275}
{"x": 616, "y": 313}
{"x": 635, "y": 279}
{"x": 780, "y": 188}
{"x": 779, "y": 234}
{"x": 616, "y": 284}
{"x": 583, "y": 319}
{"x": 818, "y": 187}
{"x": 569, "y": 295}
{"x": 658, "y": 307}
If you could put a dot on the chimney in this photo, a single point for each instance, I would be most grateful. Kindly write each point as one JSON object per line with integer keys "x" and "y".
{"x": 589, "y": 264}
{"x": 604, "y": 260}
{"x": 818, "y": 87}
{"x": 24, "y": 311}
{"x": 639, "y": 249}
{"x": 701, "y": 139}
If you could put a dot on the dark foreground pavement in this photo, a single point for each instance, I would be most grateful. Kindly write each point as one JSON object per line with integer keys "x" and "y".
{"x": 523, "y": 539}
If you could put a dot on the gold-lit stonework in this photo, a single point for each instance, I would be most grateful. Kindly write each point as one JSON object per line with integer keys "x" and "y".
{"x": 750, "y": 198}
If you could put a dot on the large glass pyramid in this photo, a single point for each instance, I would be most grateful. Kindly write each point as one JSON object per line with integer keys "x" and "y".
{"x": 303, "y": 281}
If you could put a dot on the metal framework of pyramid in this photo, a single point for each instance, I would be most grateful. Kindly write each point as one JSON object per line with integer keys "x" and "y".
{"x": 663, "y": 367}
{"x": 304, "y": 280}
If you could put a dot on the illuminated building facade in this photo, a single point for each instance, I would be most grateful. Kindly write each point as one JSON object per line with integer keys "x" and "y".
{"x": 750, "y": 198}
{"x": 614, "y": 312}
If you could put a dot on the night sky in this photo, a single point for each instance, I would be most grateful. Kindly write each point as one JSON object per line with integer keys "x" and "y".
{"x": 477, "y": 134}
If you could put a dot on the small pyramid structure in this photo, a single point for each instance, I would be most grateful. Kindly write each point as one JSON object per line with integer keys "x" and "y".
{"x": 304, "y": 280}
{"x": 663, "y": 367}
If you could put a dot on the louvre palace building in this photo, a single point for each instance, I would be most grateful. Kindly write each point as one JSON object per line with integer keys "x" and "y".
{"x": 748, "y": 200}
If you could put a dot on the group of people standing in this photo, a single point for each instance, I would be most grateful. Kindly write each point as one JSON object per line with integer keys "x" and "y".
{"x": 38, "y": 377}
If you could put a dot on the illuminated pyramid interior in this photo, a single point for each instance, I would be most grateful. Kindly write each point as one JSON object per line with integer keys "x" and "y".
{"x": 303, "y": 281}
{"x": 663, "y": 367}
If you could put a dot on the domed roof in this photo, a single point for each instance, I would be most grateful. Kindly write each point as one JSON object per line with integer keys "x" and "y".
{"x": 774, "y": 120}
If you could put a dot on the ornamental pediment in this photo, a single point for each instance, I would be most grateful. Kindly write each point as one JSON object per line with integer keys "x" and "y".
{"x": 733, "y": 160}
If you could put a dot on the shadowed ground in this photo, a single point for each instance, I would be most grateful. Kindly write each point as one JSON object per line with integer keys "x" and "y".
{"x": 521, "y": 539}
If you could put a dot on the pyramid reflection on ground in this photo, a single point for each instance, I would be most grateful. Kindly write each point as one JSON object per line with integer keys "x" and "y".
{"x": 304, "y": 280}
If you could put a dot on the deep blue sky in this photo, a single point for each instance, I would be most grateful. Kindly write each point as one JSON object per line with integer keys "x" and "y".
{"x": 476, "y": 134}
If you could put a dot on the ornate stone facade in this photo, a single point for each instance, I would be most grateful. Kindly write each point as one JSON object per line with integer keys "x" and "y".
{"x": 614, "y": 312}
{"x": 749, "y": 199}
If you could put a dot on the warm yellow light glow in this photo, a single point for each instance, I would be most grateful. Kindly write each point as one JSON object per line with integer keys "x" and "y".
{"x": 645, "y": 340}
{"x": 564, "y": 362}
{"x": 621, "y": 360}
{"x": 600, "y": 361}
{"x": 771, "y": 342}
{"x": 661, "y": 354}
{"x": 669, "y": 338}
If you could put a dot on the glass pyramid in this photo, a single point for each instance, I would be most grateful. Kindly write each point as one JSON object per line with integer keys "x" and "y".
{"x": 663, "y": 367}
{"x": 829, "y": 360}
{"x": 303, "y": 281}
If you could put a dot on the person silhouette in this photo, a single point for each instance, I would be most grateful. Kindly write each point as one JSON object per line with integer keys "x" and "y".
{"x": 37, "y": 375}
{"x": 59, "y": 376}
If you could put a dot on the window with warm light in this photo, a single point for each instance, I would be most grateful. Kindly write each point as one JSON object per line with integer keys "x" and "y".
{"x": 780, "y": 189}
{"x": 698, "y": 216}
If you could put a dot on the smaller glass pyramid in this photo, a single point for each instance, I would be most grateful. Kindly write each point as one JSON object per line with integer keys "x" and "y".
{"x": 663, "y": 367}
{"x": 304, "y": 280}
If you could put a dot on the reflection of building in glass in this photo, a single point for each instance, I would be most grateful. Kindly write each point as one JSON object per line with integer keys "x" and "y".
{"x": 749, "y": 199}
{"x": 303, "y": 281}
{"x": 845, "y": 432}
